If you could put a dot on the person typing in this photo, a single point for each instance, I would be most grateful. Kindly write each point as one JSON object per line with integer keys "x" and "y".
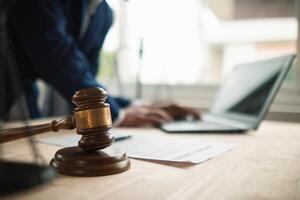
{"x": 59, "y": 41}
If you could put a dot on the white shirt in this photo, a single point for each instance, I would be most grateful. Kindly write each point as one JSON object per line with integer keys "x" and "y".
{"x": 92, "y": 8}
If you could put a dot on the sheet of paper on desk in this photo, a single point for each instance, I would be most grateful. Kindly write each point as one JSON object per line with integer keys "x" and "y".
{"x": 157, "y": 147}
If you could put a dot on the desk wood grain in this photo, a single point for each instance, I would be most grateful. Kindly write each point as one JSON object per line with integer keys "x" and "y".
{"x": 265, "y": 165}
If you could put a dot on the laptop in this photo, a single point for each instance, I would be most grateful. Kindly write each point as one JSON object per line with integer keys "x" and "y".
{"x": 242, "y": 101}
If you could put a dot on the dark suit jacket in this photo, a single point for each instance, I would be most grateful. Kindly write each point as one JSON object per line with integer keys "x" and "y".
{"x": 48, "y": 46}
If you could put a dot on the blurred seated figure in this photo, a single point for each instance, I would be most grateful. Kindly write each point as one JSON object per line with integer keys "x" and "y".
{"x": 59, "y": 41}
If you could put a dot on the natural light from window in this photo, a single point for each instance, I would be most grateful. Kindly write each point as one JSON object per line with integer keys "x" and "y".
{"x": 195, "y": 42}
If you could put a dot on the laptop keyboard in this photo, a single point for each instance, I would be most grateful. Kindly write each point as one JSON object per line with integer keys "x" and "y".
{"x": 194, "y": 125}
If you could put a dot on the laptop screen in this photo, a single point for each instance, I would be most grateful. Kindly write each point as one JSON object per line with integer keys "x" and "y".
{"x": 248, "y": 88}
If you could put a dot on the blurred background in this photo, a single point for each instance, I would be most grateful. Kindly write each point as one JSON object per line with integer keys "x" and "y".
{"x": 189, "y": 47}
{"x": 181, "y": 51}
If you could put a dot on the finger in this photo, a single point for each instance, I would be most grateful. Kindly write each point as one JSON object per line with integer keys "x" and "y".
{"x": 193, "y": 112}
{"x": 141, "y": 120}
{"x": 182, "y": 112}
{"x": 153, "y": 120}
{"x": 149, "y": 120}
{"x": 160, "y": 114}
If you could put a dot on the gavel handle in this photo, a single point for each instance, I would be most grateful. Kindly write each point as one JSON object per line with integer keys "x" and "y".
{"x": 18, "y": 133}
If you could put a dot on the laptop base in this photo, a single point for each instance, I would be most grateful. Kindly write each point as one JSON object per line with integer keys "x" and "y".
{"x": 198, "y": 127}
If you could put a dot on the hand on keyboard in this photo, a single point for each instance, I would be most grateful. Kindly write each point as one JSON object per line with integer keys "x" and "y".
{"x": 156, "y": 114}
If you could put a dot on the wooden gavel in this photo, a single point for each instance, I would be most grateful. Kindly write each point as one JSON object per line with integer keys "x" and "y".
{"x": 91, "y": 118}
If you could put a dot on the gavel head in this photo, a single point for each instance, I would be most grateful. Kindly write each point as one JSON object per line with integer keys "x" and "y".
{"x": 92, "y": 119}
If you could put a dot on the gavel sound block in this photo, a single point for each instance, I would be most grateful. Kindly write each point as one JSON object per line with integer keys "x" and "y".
{"x": 92, "y": 120}
{"x": 94, "y": 155}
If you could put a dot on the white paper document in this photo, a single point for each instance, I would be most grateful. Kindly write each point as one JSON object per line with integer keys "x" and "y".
{"x": 157, "y": 147}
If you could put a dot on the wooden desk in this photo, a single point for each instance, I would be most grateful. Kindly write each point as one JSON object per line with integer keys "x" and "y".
{"x": 265, "y": 165}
